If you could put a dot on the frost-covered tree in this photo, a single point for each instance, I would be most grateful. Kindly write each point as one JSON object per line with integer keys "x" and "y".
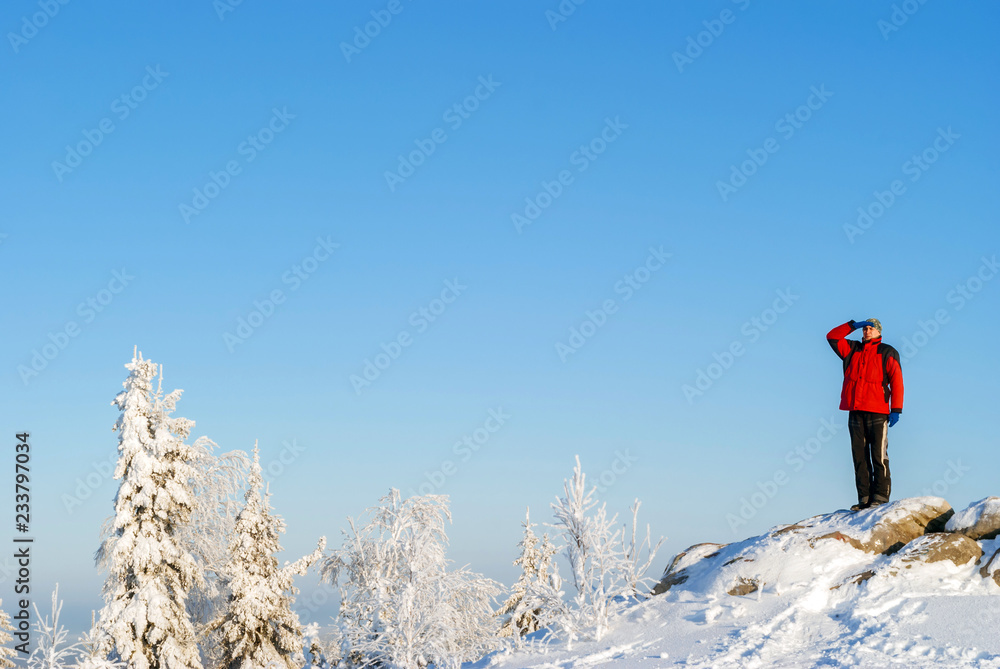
{"x": 592, "y": 549}
{"x": 400, "y": 605}
{"x": 6, "y": 653}
{"x": 52, "y": 650}
{"x": 604, "y": 566}
{"x": 218, "y": 484}
{"x": 92, "y": 645}
{"x": 150, "y": 573}
{"x": 634, "y": 567}
{"x": 317, "y": 656}
{"x": 259, "y": 628}
{"x": 520, "y": 617}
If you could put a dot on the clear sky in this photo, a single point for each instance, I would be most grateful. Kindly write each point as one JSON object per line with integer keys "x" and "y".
{"x": 353, "y": 248}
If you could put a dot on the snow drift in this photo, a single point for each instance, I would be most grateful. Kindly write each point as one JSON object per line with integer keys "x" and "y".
{"x": 910, "y": 584}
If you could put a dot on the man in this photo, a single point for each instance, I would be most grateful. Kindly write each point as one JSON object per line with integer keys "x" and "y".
{"x": 873, "y": 394}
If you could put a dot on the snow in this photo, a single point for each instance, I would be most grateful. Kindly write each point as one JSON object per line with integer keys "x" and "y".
{"x": 811, "y": 609}
{"x": 977, "y": 514}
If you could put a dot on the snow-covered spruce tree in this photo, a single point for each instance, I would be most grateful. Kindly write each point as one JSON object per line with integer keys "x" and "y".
{"x": 317, "y": 657}
{"x": 400, "y": 605}
{"x": 149, "y": 571}
{"x": 6, "y": 653}
{"x": 535, "y": 561}
{"x": 259, "y": 628}
{"x": 217, "y": 483}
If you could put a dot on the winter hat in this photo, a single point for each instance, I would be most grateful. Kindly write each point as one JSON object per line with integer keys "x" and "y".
{"x": 877, "y": 323}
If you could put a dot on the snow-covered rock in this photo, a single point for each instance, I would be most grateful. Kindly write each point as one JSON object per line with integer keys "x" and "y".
{"x": 887, "y": 528}
{"x": 991, "y": 566}
{"x": 980, "y": 520}
{"x": 738, "y": 569}
{"x": 677, "y": 572}
{"x": 931, "y": 548}
{"x": 877, "y": 588}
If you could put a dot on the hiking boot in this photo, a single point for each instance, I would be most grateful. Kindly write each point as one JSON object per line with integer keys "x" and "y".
{"x": 875, "y": 503}
{"x": 859, "y": 506}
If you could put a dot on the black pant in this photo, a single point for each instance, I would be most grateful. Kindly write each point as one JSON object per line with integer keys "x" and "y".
{"x": 870, "y": 448}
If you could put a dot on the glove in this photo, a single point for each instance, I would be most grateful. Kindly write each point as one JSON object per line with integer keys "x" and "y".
{"x": 893, "y": 418}
{"x": 859, "y": 324}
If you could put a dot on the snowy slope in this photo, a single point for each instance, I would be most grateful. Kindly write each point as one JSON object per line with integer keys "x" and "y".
{"x": 815, "y": 600}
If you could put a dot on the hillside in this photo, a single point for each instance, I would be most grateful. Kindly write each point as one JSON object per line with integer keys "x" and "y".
{"x": 908, "y": 584}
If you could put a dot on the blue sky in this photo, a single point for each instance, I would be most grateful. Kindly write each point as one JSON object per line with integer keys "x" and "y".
{"x": 257, "y": 120}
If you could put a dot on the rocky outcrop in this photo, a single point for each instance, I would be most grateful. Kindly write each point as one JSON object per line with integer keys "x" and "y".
{"x": 677, "y": 572}
{"x": 903, "y": 535}
{"x": 980, "y": 521}
{"x": 992, "y": 567}
{"x": 957, "y": 548}
{"x": 744, "y": 586}
{"x": 892, "y": 526}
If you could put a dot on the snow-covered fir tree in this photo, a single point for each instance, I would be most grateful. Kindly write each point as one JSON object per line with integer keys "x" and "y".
{"x": 535, "y": 561}
{"x": 400, "y": 605}
{"x": 6, "y": 653}
{"x": 317, "y": 656}
{"x": 149, "y": 572}
{"x": 259, "y": 628}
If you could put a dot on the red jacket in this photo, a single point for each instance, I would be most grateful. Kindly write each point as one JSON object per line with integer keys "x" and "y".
{"x": 873, "y": 378}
